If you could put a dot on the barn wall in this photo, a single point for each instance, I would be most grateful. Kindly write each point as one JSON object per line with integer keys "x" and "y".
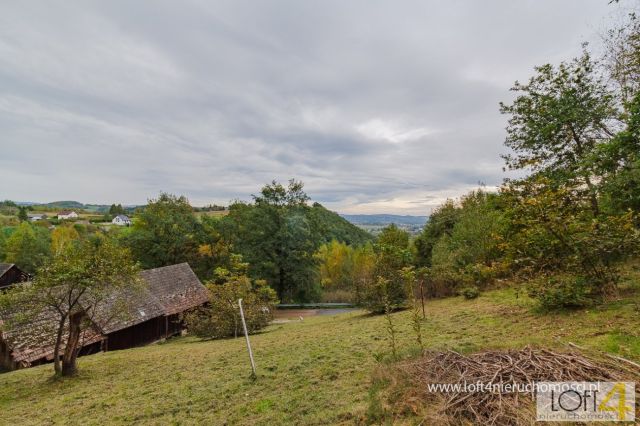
{"x": 6, "y": 362}
{"x": 12, "y": 276}
{"x": 137, "y": 335}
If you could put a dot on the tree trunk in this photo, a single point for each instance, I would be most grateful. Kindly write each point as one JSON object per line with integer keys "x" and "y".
{"x": 56, "y": 348}
{"x": 71, "y": 350}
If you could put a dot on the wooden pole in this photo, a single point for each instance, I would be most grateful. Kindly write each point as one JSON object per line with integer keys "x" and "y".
{"x": 246, "y": 335}
{"x": 422, "y": 297}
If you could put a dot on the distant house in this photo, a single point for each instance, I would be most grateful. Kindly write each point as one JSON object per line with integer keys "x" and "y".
{"x": 11, "y": 274}
{"x": 37, "y": 217}
{"x": 153, "y": 314}
{"x": 121, "y": 220}
{"x": 67, "y": 215}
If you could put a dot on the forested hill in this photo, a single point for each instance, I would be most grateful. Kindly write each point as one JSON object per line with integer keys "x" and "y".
{"x": 335, "y": 227}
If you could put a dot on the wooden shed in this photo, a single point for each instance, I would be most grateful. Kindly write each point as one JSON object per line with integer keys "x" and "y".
{"x": 10, "y": 274}
{"x": 152, "y": 314}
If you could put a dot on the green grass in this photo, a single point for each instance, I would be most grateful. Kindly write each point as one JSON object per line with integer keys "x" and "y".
{"x": 318, "y": 371}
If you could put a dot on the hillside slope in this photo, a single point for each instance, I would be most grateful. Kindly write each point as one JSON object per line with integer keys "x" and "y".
{"x": 335, "y": 227}
{"x": 317, "y": 371}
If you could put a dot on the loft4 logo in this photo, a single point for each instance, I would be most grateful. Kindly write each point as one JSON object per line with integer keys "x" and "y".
{"x": 619, "y": 392}
{"x": 585, "y": 401}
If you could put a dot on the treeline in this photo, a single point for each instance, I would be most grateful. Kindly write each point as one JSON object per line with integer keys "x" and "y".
{"x": 277, "y": 236}
{"x": 260, "y": 252}
{"x": 565, "y": 228}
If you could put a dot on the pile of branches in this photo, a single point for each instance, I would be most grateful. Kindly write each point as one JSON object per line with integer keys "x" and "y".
{"x": 516, "y": 367}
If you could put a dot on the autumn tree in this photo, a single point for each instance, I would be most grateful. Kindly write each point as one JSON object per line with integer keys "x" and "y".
{"x": 62, "y": 237}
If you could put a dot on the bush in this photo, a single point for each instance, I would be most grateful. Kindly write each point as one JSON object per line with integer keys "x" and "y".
{"x": 470, "y": 292}
{"x": 563, "y": 291}
{"x": 221, "y": 317}
{"x": 469, "y": 253}
{"x": 392, "y": 254}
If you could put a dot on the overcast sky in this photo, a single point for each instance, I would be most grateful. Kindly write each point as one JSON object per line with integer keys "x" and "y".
{"x": 377, "y": 106}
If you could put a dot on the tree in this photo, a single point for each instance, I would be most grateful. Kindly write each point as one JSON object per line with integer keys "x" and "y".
{"x": 557, "y": 121}
{"x": 221, "y": 318}
{"x": 618, "y": 162}
{"x": 27, "y": 247}
{"x": 622, "y": 57}
{"x": 441, "y": 222}
{"x": 62, "y": 237}
{"x": 470, "y": 253}
{"x": 363, "y": 270}
{"x": 22, "y": 214}
{"x": 115, "y": 210}
{"x": 556, "y": 235}
{"x": 74, "y": 289}
{"x": 277, "y": 237}
{"x": 335, "y": 265}
{"x": 392, "y": 255}
{"x": 165, "y": 232}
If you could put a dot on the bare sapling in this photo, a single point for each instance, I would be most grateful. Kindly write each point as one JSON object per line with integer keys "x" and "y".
{"x": 388, "y": 309}
{"x": 416, "y": 324}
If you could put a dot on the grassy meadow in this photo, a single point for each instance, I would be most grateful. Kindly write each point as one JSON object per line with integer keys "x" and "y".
{"x": 315, "y": 371}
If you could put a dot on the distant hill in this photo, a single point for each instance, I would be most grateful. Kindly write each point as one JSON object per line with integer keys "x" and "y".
{"x": 69, "y": 205}
{"x": 335, "y": 227}
{"x": 374, "y": 223}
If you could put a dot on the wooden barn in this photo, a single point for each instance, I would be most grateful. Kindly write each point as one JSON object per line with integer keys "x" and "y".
{"x": 10, "y": 274}
{"x": 152, "y": 314}
{"x": 155, "y": 314}
{"x": 32, "y": 344}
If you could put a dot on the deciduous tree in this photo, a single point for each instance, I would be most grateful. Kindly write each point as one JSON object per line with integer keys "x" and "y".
{"x": 73, "y": 289}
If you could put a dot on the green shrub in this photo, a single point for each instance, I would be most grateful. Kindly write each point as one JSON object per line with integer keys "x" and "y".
{"x": 470, "y": 292}
{"x": 221, "y": 317}
{"x": 563, "y": 291}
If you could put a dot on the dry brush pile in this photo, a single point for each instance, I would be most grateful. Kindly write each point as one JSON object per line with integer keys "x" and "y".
{"x": 408, "y": 392}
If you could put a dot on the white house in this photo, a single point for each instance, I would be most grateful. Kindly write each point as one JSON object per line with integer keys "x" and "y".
{"x": 121, "y": 220}
{"x": 37, "y": 217}
{"x": 67, "y": 215}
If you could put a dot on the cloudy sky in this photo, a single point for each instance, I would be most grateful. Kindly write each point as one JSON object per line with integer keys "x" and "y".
{"x": 378, "y": 106}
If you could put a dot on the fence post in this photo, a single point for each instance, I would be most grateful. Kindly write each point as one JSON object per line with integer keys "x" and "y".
{"x": 246, "y": 335}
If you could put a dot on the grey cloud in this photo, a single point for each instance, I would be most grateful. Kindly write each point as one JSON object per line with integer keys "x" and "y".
{"x": 376, "y": 106}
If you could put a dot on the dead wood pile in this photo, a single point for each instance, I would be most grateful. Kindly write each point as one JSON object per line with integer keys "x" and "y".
{"x": 515, "y": 367}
